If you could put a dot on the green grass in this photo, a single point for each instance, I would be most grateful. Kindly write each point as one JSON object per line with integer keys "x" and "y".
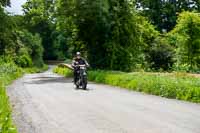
{"x": 8, "y": 73}
{"x": 63, "y": 71}
{"x": 180, "y": 86}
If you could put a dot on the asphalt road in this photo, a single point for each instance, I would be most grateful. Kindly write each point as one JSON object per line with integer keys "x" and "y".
{"x": 48, "y": 103}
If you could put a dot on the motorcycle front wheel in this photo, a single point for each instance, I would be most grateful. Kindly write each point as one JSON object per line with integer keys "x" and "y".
{"x": 84, "y": 83}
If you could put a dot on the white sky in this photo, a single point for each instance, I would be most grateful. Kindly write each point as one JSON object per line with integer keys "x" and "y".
{"x": 16, "y": 6}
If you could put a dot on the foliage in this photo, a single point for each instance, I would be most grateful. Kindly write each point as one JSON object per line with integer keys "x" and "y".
{"x": 6, "y": 125}
{"x": 16, "y": 46}
{"x": 108, "y": 30}
{"x": 66, "y": 29}
{"x": 4, "y": 3}
{"x": 109, "y": 33}
{"x": 18, "y": 43}
{"x": 163, "y": 13}
{"x": 23, "y": 61}
{"x": 161, "y": 55}
{"x": 7, "y": 37}
{"x": 37, "y": 19}
{"x": 185, "y": 36}
{"x": 30, "y": 46}
{"x": 147, "y": 36}
{"x": 8, "y": 72}
{"x": 63, "y": 71}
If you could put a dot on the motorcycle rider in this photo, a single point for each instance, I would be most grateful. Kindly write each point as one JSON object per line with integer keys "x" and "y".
{"x": 78, "y": 60}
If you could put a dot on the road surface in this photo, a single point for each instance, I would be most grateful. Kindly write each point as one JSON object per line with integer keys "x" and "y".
{"x": 48, "y": 103}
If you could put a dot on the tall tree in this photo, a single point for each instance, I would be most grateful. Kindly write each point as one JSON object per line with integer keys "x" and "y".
{"x": 163, "y": 13}
{"x": 7, "y": 37}
{"x": 186, "y": 37}
{"x": 38, "y": 19}
{"x": 66, "y": 28}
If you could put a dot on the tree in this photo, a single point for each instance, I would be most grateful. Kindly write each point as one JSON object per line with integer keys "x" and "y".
{"x": 109, "y": 31}
{"x": 186, "y": 37}
{"x": 66, "y": 29}
{"x": 5, "y": 3}
{"x": 38, "y": 19}
{"x": 30, "y": 46}
{"x": 163, "y": 13}
{"x": 93, "y": 27}
{"x": 7, "y": 36}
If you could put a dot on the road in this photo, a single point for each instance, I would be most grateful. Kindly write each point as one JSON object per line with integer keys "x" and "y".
{"x": 48, "y": 103}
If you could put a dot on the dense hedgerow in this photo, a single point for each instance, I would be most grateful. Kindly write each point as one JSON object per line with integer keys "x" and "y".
{"x": 175, "y": 85}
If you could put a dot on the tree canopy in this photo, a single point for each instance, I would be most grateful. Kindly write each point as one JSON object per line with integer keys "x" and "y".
{"x": 123, "y": 35}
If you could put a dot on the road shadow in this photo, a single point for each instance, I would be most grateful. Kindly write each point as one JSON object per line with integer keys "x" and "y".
{"x": 49, "y": 80}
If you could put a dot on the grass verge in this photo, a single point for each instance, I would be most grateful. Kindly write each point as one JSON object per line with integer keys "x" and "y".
{"x": 63, "y": 71}
{"x": 8, "y": 73}
{"x": 180, "y": 86}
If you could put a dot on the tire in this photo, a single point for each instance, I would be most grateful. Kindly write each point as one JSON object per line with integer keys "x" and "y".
{"x": 77, "y": 87}
{"x": 84, "y": 83}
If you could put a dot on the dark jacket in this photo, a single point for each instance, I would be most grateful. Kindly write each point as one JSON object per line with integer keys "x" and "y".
{"x": 80, "y": 61}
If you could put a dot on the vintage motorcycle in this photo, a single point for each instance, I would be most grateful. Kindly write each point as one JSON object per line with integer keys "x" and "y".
{"x": 81, "y": 77}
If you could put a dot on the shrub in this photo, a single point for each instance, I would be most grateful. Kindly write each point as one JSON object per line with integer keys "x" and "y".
{"x": 24, "y": 61}
{"x": 161, "y": 55}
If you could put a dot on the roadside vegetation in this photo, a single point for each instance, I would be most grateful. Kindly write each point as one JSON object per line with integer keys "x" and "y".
{"x": 182, "y": 86}
{"x": 113, "y": 36}
{"x": 9, "y": 71}
{"x": 20, "y": 52}
{"x": 63, "y": 71}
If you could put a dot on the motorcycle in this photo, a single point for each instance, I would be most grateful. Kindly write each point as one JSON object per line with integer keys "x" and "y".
{"x": 81, "y": 77}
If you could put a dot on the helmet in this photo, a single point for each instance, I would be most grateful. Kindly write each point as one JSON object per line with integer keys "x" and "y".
{"x": 78, "y": 53}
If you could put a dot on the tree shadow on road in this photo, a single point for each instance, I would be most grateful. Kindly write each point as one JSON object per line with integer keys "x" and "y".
{"x": 49, "y": 80}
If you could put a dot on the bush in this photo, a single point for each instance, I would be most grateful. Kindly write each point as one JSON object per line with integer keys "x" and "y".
{"x": 24, "y": 61}
{"x": 161, "y": 55}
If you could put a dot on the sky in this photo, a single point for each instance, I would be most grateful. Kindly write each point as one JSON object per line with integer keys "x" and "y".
{"x": 16, "y": 6}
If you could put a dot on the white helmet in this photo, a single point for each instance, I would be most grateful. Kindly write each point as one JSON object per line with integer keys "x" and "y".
{"x": 78, "y": 53}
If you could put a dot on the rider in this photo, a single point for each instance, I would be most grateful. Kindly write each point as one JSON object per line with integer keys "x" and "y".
{"x": 78, "y": 60}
